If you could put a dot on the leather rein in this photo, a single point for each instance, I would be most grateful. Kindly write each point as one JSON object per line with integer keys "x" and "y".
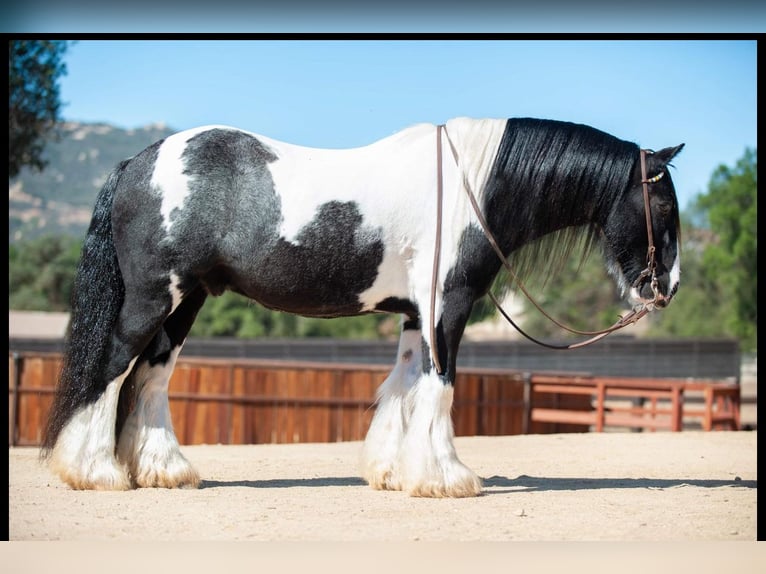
{"x": 631, "y": 317}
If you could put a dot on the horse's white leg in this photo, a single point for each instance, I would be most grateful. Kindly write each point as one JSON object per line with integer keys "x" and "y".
{"x": 147, "y": 443}
{"x": 84, "y": 453}
{"x": 428, "y": 463}
{"x": 384, "y": 438}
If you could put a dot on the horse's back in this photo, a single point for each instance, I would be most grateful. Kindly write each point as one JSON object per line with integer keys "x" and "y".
{"x": 234, "y": 210}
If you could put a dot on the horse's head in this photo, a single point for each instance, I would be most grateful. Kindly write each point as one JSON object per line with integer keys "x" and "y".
{"x": 650, "y": 276}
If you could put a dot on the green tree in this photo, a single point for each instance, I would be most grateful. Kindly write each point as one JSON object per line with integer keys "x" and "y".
{"x": 41, "y": 273}
{"x": 696, "y": 310}
{"x": 732, "y": 206}
{"x": 718, "y": 295}
{"x": 34, "y": 67}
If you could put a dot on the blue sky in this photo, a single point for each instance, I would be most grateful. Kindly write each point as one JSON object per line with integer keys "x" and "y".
{"x": 346, "y": 93}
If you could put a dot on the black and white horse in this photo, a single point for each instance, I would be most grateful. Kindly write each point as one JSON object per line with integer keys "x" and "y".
{"x": 331, "y": 233}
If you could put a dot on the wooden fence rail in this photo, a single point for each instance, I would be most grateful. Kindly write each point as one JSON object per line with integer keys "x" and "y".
{"x": 245, "y": 401}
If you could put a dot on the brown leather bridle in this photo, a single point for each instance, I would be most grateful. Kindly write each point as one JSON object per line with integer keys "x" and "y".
{"x": 631, "y": 317}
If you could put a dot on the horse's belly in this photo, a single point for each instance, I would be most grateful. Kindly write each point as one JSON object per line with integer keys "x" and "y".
{"x": 323, "y": 285}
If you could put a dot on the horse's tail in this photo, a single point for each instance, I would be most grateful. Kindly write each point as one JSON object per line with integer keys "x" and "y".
{"x": 97, "y": 297}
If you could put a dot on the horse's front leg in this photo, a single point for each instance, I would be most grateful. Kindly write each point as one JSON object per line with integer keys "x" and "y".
{"x": 382, "y": 445}
{"x": 428, "y": 463}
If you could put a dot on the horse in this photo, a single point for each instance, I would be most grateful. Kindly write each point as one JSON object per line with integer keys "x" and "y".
{"x": 330, "y": 233}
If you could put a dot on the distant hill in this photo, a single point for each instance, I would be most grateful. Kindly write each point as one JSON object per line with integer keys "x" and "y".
{"x": 59, "y": 200}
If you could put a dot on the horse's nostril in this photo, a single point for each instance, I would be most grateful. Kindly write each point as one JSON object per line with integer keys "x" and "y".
{"x": 662, "y": 301}
{"x": 646, "y": 291}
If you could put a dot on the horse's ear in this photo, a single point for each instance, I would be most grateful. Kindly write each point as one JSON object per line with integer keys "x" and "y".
{"x": 666, "y": 154}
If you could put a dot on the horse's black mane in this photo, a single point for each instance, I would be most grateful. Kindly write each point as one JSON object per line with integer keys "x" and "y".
{"x": 554, "y": 175}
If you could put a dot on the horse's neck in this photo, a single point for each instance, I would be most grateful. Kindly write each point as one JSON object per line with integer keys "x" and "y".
{"x": 517, "y": 220}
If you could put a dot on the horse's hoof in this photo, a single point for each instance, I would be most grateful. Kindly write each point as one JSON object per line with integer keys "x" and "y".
{"x": 456, "y": 482}
{"x": 382, "y": 479}
{"x": 103, "y": 477}
{"x": 178, "y": 475}
{"x": 441, "y": 490}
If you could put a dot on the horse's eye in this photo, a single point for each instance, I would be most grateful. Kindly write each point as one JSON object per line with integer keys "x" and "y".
{"x": 665, "y": 207}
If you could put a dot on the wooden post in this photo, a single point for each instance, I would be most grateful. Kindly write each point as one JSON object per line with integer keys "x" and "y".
{"x": 13, "y": 426}
{"x": 676, "y": 416}
{"x": 526, "y": 418}
{"x": 600, "y": 407}
{"x": 707, "y": 420}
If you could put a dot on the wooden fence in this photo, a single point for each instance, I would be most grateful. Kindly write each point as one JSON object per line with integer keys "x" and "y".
{"x": 245, "y": 401}
{"x": 638, "y": 403}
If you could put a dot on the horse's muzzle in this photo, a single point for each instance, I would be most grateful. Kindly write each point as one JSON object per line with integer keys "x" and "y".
{"x": 661, "y": 301}
{"x": 647, "y": 291}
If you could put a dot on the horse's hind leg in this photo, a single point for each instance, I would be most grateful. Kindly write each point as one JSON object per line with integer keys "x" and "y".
{"x": 84, "y": 453}
{"x": 384, "y": 438}
{"x": 146, "y": 441}
{"x": 83, "y": 456}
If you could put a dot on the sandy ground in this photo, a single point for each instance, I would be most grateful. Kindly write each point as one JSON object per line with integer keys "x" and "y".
{"x": 643, "y": 503}
{"x": 689, "y": 486}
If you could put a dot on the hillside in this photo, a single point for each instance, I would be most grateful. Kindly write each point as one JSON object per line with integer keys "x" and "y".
{"x": 60, "y": 198}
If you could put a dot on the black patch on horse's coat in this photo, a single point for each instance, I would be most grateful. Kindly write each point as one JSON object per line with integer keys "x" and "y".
{"x": 404, "y": 306}
{"x": 411, "y": 324}
{"x": 335, "y": 258}
{"x": 227, "y": 234}
{"x": 231, "y": 205}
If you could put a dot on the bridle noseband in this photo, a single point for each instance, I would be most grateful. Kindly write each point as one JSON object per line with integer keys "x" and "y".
{"x": 631, "y": 317}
